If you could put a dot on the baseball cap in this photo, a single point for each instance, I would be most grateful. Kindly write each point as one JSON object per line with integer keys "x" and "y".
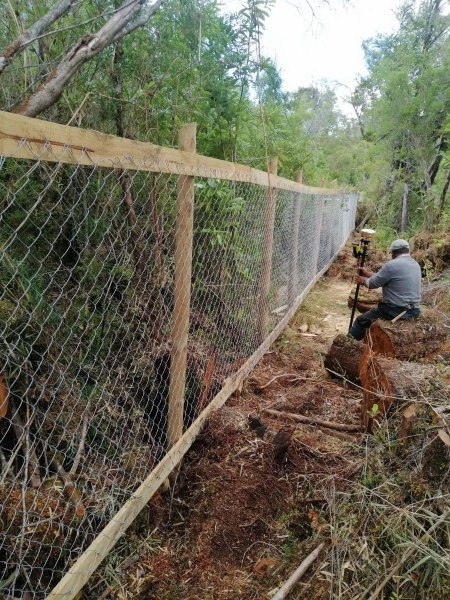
{"x": 398, "y": 245}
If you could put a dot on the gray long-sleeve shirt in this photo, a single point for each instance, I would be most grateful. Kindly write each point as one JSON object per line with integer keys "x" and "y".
{"x": 400, "y": 279}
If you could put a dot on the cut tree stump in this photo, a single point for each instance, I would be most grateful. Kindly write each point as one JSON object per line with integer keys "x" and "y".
{"x": 343, "y": 358}
{"x": 408, "y": 340}
{"x": 388, "y": 382}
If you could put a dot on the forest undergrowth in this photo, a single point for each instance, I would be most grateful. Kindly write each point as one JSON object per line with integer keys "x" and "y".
{"x": 259, "y": 491}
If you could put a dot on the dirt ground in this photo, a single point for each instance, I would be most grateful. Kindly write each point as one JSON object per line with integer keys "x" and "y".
{"x": 255, "y": 493}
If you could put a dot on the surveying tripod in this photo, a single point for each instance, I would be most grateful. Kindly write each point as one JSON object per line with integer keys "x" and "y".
{"x": 360, "y": 251}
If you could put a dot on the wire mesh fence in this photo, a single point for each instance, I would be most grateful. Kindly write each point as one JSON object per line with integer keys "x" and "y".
{"x": 86, "y": 329}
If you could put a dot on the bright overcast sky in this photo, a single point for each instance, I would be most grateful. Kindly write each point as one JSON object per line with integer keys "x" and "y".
{"x": 309, "y": 49}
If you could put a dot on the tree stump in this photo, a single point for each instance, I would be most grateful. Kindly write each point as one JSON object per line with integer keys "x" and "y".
{"x": 408, "y": 340}
{"x": 387, "y": 382}
{"x": 343, "y": 358}
{"x": 366, "y": 300}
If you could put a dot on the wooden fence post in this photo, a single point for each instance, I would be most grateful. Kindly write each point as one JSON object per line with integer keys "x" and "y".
{"x": 182, "y": 292}
{"x": 316, "y": 245}
{"x": 266, "y": 272}
{"x": 293, "y": 263}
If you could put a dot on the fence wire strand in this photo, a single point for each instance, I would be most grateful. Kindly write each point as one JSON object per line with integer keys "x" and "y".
{"x": 86, "y": 302}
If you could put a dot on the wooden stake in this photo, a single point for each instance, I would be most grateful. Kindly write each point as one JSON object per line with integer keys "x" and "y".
{"x": 182, "y": 292}
{"x": 398, "y": 317}
{"x": 267, "y": 253}
{"x": 293, "y": 267}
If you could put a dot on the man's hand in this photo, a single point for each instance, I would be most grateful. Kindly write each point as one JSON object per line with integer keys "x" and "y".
{"x": 361, "y": 280}
{"x": 364, "y": 272}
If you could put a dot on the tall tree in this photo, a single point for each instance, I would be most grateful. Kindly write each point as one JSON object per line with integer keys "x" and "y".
{"x": 131, "y": 15}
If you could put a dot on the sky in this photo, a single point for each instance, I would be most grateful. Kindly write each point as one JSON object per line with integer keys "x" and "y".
{"x": 308, "y": 49}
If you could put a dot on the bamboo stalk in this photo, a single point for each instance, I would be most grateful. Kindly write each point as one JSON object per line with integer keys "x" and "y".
{"x": 287, "y": 586}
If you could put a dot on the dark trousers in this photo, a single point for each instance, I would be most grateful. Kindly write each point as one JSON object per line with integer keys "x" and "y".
{"x": 383, "y": 311}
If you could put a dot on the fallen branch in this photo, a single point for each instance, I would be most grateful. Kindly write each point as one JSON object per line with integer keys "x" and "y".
{"x": 287, "y": 586}
{"x": 312, "y": 420}
{"x": 70, "y": 491}
{"x": 343, "y": 436}
{"x": 80, "y": 449}
{"x": 22, "y": 434}
{"x": 283, "y": 375}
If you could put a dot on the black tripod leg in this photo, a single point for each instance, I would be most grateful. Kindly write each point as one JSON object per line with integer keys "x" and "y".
{"x": 355, "y": 300}
{"x": 360, "y": 266}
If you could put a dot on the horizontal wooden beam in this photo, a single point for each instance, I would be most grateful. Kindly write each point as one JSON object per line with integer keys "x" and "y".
{"x": 26, "y": 138}
{"x": 80, "y": 572}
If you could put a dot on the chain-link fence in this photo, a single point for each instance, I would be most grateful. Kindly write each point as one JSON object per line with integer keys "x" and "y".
{"x": 87, "y": 301}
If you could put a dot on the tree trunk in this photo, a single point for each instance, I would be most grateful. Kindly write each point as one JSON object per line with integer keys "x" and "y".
{"x": 443, "y": 197}
{"x": 405, "y": 340}
{"x": 359, "y": 119}
{"x": 408, "y": 340}
{"x": 33, "y": 32}
{"x": 404, "y": 217}
{"x": 120, "y": 24}
{"x": 441, "y": 145}
{"x": 343, "y": 358}
{"x": 366, "y": 300}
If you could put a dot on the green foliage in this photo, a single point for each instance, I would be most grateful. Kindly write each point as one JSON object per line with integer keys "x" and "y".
{"x": 403, "y": 104}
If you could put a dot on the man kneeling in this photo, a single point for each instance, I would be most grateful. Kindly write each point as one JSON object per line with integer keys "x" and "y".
{"x": 400, "y": 280}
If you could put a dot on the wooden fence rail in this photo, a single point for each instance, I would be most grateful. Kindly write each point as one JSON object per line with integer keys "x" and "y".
{"x": 24, "y": 137}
